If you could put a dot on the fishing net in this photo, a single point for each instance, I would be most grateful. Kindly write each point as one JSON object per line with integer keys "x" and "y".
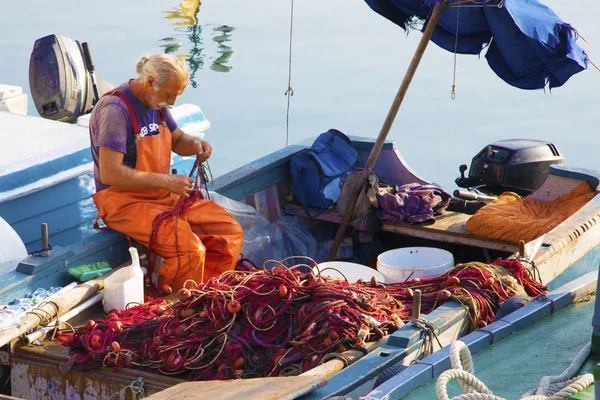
{"x": 278, "y": 320}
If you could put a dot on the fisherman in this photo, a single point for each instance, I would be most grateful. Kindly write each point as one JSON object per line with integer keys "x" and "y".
{"x": 132, "y": 134}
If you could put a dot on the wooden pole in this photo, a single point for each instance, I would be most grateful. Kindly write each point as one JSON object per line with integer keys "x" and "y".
{"x": 387, "y": 124}
{"x": 45, "y": 241}
{"x": 64, "y": 303}
{"x": 416, "y": 314}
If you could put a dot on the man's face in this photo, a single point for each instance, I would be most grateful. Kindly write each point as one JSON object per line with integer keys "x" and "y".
{"x": 166, "y": 94}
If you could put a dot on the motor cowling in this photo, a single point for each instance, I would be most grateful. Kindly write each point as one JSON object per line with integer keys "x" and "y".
{"x": 518, "y": 165}
{"x": 60, "y": 84}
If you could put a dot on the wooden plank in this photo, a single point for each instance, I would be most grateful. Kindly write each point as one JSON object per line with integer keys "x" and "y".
{"x": 449, "y": 227}
{"x": 259, "y": 388}
{"x": 449, "y": 237}
{"x": 273, "y": 203}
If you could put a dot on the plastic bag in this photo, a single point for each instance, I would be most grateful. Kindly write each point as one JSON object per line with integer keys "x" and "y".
{"x": 264, "y": 240}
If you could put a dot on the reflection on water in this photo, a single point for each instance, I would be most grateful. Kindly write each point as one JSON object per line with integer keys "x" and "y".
{"x": 187, "y": 28}
{"x": 222, "y": 37}
{"x": 186, "y": 15}
{"x": 171, "y": 44}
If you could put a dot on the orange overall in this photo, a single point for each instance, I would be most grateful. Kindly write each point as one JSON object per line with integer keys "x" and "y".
{"x": 198, "y": 246}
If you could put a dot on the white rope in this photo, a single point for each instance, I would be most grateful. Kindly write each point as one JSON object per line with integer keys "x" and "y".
{"x": 577, "y": 385}
{"x": 552, "y": 386}
{"x": 558, "y": 387}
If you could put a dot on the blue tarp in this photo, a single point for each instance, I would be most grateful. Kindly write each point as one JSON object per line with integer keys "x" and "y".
{"x": 528, "y": 45}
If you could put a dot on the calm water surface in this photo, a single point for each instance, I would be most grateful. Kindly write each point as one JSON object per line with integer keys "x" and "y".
{"x": 347, "y": 65}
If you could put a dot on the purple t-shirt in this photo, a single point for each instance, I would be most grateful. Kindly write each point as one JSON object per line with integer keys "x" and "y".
{"x": 111, "y": 127}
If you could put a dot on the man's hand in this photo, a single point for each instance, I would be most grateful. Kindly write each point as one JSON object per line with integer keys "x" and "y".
{"x": 187, "y": 145}
{"x": 114, "y": 173}
{"x": 180, "y": 184}
{"x": 204, "y": 151}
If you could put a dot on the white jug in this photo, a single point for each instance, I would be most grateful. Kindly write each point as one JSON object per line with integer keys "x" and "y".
{"x": 125, "y": 287}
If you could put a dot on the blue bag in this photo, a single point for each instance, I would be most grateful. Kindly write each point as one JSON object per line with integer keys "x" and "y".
{"x": 318, "y": 170}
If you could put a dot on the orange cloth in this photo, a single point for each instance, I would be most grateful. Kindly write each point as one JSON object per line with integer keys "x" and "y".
{"x": 200, "y": 245}
{"x": 511, "y": 218}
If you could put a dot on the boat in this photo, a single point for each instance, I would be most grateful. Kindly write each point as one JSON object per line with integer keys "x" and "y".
{"x": 569, "y": 250}
{"x": 531, "y": 348}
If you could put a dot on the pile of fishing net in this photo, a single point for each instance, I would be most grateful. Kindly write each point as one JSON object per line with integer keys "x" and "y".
{"x": 280, "y": 321}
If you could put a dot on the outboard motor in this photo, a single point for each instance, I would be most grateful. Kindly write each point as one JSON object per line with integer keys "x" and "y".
{"x": 517, "y": 165}
{"x": 62, "y": 79}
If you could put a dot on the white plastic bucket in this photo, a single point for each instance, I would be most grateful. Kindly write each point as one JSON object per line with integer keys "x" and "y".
{"x": 351, "y": 271}
{"x": 397, "y": 265}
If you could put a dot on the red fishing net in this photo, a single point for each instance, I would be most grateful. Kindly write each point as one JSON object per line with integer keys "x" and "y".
{"x": 254, "y": 322}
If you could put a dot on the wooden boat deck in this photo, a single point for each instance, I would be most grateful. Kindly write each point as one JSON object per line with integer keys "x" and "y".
{"x": 450, "y": 227}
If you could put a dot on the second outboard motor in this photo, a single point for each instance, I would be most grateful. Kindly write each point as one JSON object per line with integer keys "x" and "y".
{"x": 517, "y": 165}
{"x": 60, "y": 80}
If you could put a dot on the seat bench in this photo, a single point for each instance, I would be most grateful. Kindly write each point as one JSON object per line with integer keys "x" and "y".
{"x": 449, "y": 227}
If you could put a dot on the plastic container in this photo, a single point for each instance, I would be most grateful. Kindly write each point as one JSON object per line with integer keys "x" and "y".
{"x": 351, "y": 271}
{"x": 397, "y": 265}
{"x": 125, "y": 286}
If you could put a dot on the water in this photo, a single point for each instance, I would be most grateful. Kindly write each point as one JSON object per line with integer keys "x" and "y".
{"x": 347, "y": 65}
{"x": 514, "y": 365}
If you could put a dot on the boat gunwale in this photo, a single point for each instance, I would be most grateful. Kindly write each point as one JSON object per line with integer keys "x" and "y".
{"x": 538, "y": 309}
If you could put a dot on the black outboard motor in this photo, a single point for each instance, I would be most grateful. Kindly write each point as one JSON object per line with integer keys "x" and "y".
{"x": 517, "y": 165}
{"x": 60, "y": 80}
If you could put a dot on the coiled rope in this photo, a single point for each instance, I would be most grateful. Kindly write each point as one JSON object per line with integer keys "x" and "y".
{"x": 558, "y": 387}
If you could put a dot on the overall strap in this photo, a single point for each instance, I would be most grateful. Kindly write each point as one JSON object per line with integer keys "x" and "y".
{"x": 134, "y": 121}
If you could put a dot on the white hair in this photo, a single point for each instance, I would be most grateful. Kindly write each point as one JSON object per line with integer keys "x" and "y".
{"x": 161, "y": 67}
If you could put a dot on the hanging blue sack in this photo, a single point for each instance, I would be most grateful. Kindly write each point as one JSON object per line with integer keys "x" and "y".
{"x": 318, "y": 170}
